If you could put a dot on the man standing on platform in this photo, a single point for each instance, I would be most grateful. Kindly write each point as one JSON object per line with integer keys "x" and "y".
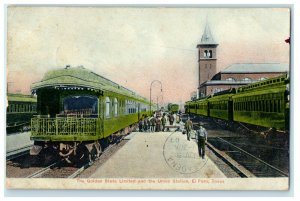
{"x": 201, "y": 139}
{"x": 163, "y": 122}
{"x": 188, "y": 128}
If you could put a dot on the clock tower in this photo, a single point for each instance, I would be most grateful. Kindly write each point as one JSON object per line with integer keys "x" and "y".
{"x": 207, "y": 57}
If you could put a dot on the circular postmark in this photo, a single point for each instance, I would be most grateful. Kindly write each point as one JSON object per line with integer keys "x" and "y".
{"x": 182, "y": 155}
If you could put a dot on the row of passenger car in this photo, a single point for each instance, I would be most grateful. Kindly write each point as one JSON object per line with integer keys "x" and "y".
{"x": 20, "y": 110}
{"x": 265, "y": 103}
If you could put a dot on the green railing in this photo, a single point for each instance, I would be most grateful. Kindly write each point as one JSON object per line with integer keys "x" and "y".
{"x": 64, "y": 126}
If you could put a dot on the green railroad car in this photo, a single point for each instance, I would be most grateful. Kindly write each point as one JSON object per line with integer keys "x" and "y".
{"x": 202, "y": 107}
{"x": 19, "y": 111}
{"x": 78, "y": 110}
{"x": 173, "y": 107}
{"x": 263, "y": 104}
{"x": 220, "y": 106}
{"x": 187, "y": 107}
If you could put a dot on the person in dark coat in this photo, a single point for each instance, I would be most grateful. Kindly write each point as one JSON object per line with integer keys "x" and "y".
{"x": 158, "y": 124}
{"x": 141, "y": 123}
{"x": 163, "y": 122}
{"x": 153, "y": 124}
{"x": 146, "y": 124}
{"x": 171, "y": 119}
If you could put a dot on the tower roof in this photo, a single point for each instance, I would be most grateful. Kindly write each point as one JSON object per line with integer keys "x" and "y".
{"x": 207, "y": 38}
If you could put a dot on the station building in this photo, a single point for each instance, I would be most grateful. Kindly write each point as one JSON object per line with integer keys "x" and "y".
{"x": 235, "y": 75}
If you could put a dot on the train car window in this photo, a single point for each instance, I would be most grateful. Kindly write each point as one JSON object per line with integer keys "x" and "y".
{"x": 275, "y": 106}
{"x": 80, "y": 106}
{"x": 279, "y": 105}
{"x": 271, "y": 105}
{"x": 116, "y": 107}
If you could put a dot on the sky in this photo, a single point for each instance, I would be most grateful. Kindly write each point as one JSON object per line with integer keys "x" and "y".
{"x": 134, "y": 46}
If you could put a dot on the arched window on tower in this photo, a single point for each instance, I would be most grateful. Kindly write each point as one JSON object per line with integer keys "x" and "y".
{"x": 205, "y": 53}
{"x": 210, "y": 54}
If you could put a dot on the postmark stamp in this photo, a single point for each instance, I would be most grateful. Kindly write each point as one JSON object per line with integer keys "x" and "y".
{"x": 182, "y": 155}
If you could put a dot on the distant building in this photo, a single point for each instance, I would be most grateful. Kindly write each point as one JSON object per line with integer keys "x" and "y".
{"x": 237, "y": 75}
{"x": 234, "y": 75}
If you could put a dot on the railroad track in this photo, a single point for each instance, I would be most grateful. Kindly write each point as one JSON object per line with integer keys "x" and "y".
{"x": 56, "y": 171}
{"x": 15, "y": 153}
{"x": 243, "y": 162}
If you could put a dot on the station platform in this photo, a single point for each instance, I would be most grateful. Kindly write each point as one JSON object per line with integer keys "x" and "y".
{"x": 18, "y": 140}
{"x": 158, "y": 155}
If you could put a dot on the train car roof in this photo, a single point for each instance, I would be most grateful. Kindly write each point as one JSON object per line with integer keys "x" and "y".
{"x": 21, "y": 98}
{"x": 256, "y": 68}
{"x": 261, "y": 85}
{"x": 81, "y": 77}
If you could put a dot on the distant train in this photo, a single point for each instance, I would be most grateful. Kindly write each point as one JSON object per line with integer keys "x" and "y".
{"x": 173, "y": 107}
{"x": 79, "y": 111}
{"x": 19, "y": 111}
{"x": 264, "y": 103}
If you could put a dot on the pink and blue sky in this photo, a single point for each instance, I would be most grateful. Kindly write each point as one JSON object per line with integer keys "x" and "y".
{"x": 133, "y": 46}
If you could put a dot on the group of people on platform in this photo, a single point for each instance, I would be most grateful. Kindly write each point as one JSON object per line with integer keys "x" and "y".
{"x": 157, "y": 122}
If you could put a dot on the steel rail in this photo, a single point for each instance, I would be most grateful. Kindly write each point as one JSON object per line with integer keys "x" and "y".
{"x": 256, "y": 158}
{"x": 42, "y": 171}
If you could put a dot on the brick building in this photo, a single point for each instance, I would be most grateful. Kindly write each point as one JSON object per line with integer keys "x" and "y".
{"x": 234, "y": 75}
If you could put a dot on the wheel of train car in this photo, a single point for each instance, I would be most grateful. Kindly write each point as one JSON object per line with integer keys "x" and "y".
{"x": 96, "y": 151}
{"x": 111, "y": 139}
{"x": 47, "y": 156}
{"x": 83, "y": 156}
